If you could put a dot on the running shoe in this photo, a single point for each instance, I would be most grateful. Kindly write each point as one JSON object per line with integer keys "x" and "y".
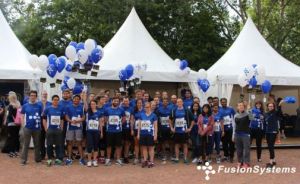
{"x": 144, "y": 164}
{"x": 68, "y": 162}
{"x": 175, "y": 161}
{"x": 107, "y": 162}
{"x": 126, "y": 161}
{"x": 89, "y": 164}
{"x": 49, "y": 162}
{"x": 186, "y": 161}
{"x": 218, "y": 160}
{"x": 136, "y": 161}
{"x": 23, "y": 163}
{"x": 195, "y": 160}
{"x": 95, "y": 163}
{"x": 82, "y": 161}
{"x": 58, "y": 162}
{"x": 119, "y": 162}
{"x": 150, "y": 164}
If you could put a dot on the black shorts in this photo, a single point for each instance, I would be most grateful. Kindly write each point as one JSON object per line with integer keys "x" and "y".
{"x": 181, "y": 138}
{"x": 102, "y": 142}
{"x": 127, "y": 135}
{"x": 84, "y": 129}
{"x": 114, "y": 139}
{"x": 165, "y": 135}
{"x": 146, "y": 140}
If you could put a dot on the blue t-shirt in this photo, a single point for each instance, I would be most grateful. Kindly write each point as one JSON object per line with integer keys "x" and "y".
{"x": 217, "y": 119}
{"x": 54, "y": 115}
{"x": 147, "y": 124}
{"x": 257, "y": 123}
{"x": 33, "y": 113}
{"x": 75, "y": 112}
{"x": 114, "y": 119}
{"x": 128, "y": 113}
{"x": 180, "y": 122}
{"x": 187, "y": 103}
{"x": 46, "y": 105}
{"x": 228, "y": 115}
{"x": 195, "y": 127}
{"x": 172, "y": 105}
{"x": 92, "y": 121}
{"x": 137, "y": 117}
{"x": 164, "y": 117}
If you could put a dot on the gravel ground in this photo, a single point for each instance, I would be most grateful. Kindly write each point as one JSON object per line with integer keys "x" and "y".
{"x": 12, "y": 172}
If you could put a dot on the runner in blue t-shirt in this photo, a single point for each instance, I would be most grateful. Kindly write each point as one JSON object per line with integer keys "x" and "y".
{"x": 188, "y": 100}
{"x": 93, "y": 132}
{"x": 134, "y": 128}
{"x": 127, "y": 137}
{"x": 114, "y": 118}
{"x": 75, "y": 116}
{"x": 164, "y": 130}
{"x": 31, "y": 120}
{"x": 53, "y": 125}
{"x": 147, "y": 135}
{"x": 228, "y": 117}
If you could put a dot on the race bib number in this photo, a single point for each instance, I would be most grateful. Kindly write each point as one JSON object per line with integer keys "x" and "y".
{"x": 55, "y": 120}
{"x": 114, "y": 120}
{"x": 227, "y": 120}
{"x": 217, "y": 127}
{"x": 164, "y": 121}
{"x": 127, "y": 114}
{"x": 136, "y": 125}
{"x": 145, "y": 125}
{"x": 93, "y": 125}
{"x": 75, "y": 119}
{"x": 180, "y": 122}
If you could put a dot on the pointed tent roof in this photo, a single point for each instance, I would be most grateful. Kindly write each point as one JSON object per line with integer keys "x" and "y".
{"x": 14, "y": 56}
{"x": 249, "y": 48}
{"x": 133, "y": 44}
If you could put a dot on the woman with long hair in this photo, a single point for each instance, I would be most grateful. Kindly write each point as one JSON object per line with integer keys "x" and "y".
{"x": 205, "y": 125}
{"x": 196, "y": 110}
{"x": 13, "y": 123}
{"x": 134, "y": 128}
{"x": 256, "y": 127}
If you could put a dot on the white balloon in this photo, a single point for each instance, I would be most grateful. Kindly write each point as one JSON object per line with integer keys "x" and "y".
{"x": 202, "y": 74}
{"x": 33, "y": 60}
{"x": 261, "y": 77}
{"x": 242, "y": 80}
{"x": 71, "y": 52}
{"x": 43, "y": 62}
{"x": 249, "y": 72}
{"x": 187, "y": 70}
{"x": 177, "y": 61}
{"x": 89, "y": 45}
{"x": 71, "y": 83}
{"x": 82, "y": 56}
{"x": 59, "y": 76}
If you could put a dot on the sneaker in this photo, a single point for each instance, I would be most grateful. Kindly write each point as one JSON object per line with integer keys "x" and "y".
{"x": 102, "y": 160}
{"x": 173, "y": 158}
{"x": 144, "y": 164}
{"x": 175, "y": 161}
{"x": 269, "y": 165}
{"x": 68, "y": 162}
{"x": 23, "y": 163}
{"x": 164, "y": 162}
{"x": 89, "y": 164}
{"x": 186, "y": 161}
{"x": 107, "y": 162}
{"x": 200, "y": 162}
{"x": 274, "y": 163}
{"x": 150, "y": 164}
{"x": 136, "y": 161}
{"x": 58, "y": 162}
{"x": 82, "y": 161}
{"x": 259, "y": 160}
{"x": 218, "y": 160}
{"x": 49, "y": 163}
{"x": 126, "y": 161}
{"x": 11, "y": 154}
{"x": 195, "y": 160}
{"x": 16, "y": 154}
{"x": 95, "y": 163}
{"x": 225, "y": 159}
{"x": 119, "y": 162}
{"x": 164, "y": 158}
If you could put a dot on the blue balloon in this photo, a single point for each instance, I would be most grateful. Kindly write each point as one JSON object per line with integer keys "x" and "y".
{"x": 253, "y": 82}
{"x": 199, "y": 82}
{"x": 266, "y": 86}
{"x": 78, "y": 88}
{"x": 77, "y": 64}
{"x": 183, "y": 64}
{"x": 88, "y": 65}
{"x": 51, "y": 70}
{"x": 123, "y": 75}
{"x": 96, "y": 55}
{"x": 74, "y": 44}
{"x": 129, "y": 69}
{"x": 66, "y": 78}
{"x": 204, "y": 85}
{"x": 290, "y": 99}
{"x": 52, "y": 59}
{"x": 79, "y": 46}
{"x": 64, "y": 87}
{"x": 254, "y": 65}
{"x": 60, "y": 64}
{"x": 69, "y": 68}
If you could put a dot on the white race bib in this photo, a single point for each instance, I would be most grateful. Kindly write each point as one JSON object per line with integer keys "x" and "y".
{"x": 114, "y": 120}
{"x": 127, "y": 116}
{"x": 217, "y": 126}
{"x": 180, "y": 122}
{"x": 227, "y": 120}
{"x": 145, "y": 125}
{"x": 164, "y": 121}
{"x": 76, "y": 118}
{"x": 55, "y": 120}
{"x": 136, "y": 124}
{"x": 93, "y": 125}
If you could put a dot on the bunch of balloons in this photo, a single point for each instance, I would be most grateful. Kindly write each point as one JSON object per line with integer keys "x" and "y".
{"x": 77, "y": 56}
{"x": 290, "y": 99}
{"x": 126, "y": 73}
{"x": 183, "y": 67}
{"x": 202, "y": 82}
{"x": 252, "y": 75}
{"x": 70, "y": 83}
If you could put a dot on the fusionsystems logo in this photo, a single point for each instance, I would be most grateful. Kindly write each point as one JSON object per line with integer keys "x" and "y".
{"x": 209, "y": 170}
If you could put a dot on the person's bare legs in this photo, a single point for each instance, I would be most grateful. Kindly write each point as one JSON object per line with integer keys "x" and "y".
{"x": 177, "y": 151}
{"x": 69, "y": 149}
{"x": 126, "y": 149}
{"x": 79, "y": 145}
{"x": 118, "y": 152}
{"x": 108, "y": 152}
{"x": 136, "y": 148}
{"x": 145, "y": 153}
{"x": 151, "y": 153}
{"x": 185, "y": 151}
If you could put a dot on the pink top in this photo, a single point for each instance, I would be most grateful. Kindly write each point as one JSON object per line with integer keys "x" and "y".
{"x": 205, "y": 129}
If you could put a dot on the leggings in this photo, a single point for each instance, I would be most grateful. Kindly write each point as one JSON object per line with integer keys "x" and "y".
{"x": 271, "y": 137}
{"x": 217, "y": 140}
{"x": 257, "y": 134}
{"x": 206, "y": 146}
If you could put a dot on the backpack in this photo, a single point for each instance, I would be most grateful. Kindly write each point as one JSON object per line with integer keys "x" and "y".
{"x": 18, "y": 119}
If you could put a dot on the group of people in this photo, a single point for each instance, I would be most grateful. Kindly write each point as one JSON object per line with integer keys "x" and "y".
{"x": 102, "y": 129}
